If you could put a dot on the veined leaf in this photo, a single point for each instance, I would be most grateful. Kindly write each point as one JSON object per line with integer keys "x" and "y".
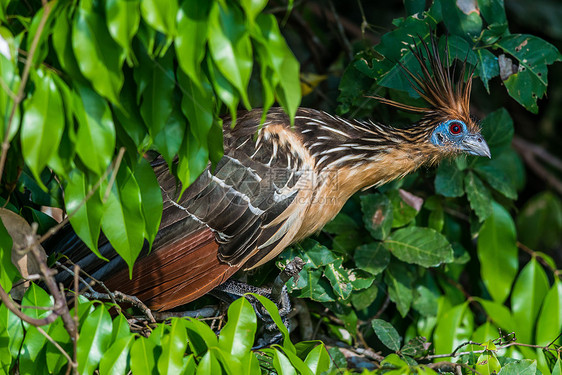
{"x": 94, "y": 339}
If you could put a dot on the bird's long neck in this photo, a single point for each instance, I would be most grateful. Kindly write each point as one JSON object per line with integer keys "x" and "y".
{"x": 364, "y": 153}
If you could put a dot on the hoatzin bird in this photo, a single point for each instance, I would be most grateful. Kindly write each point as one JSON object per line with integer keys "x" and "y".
{"x": 278, "y": 184}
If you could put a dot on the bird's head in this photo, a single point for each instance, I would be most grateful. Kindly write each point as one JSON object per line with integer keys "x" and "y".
{"x": 446, "y": 122}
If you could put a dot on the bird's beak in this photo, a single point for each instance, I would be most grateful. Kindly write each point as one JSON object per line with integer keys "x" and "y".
{"x": 475, "y": 144}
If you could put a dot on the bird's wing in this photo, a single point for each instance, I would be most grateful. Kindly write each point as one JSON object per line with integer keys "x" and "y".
{"x": 255, "y": 198}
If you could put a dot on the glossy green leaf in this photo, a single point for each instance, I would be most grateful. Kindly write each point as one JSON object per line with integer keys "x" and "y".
{"x": 85, "y": 215}
{"x": 377, "y": 215}
{"x": 200, "y": 336}
{"x": 373, "y": 257}
{"x": 425, "y": 301}
{"x": 198, "y": 105}
{"x": 282, "y": 364}
{"x": 151, "y": 197}
{"x": 387, "y": 334}
{"x": 502, "y": 172}
{"x": 120, "y": 328}
{"x": 520, "y": 367}
{"x": 454, "y": 327}
{"x": 312, "y": 285}
{"x": 497, "y": 253}
{"x": 549, "y": 321}
{"x": 557, "y": 370}
{"x": 123, "y": 19}
{"x": 42, "y": 123}
{"x": 99, "y": 57}
{"x": 173, "y": 348}
{"x": 499, "y": 314}
{"x": 274, "y": 314}
{"x": 497, "y": 128}
{"x": 11, "y": 79}
{"x": 237, "y": 336}
{"x": 209, "y": 364}
{"x": 190, "y": 43}
{"x": 423, "y": 246}
{"x": 194, "y": 157}
{"x": 116, "y": 361}
{"x": 157, "y": 96}
{"x": 161, "y": 15}
{"x": 533, "y": 55}
{"x": 529, "y": 291}
{"x": 13, "y": 329}
{"x": 8, "y": 272}
{"x": 318, "y": 360}
{"x": 449, "y": 180}
{"x": 487, "y": 363}
{"x": 169, "y": 140}
{"x": 281, "y": 61}
{"x": 478, "y": 195}
{"x": 539, "y": 223}
{"x": 230, "y": 47}
{"x": 94, "y": 339}
{"x": 399, "y": 283}
{"x": 96, "y": 130}
{"x": 142, "y": 357}
{"x": 122, "y": 221}
{"x": 223, "y": 88}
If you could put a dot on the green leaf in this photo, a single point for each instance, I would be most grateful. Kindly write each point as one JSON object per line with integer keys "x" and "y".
{"x": 377, "y": 215}
{"x": 423, "y": 246}
{"x": 193, "y": 159}
{"x": 123, "y": 18}
{"x": 402, "y": 212}
{"x": 373, "y": 257}
{"x": 339, "y": 279}
{"x": 549, "y": 321}
{"x": 117, "y": 359}
{"x": 122, "y": 221}
{"x": 151, "y": 197}
{"x": 96, "y": 130}
{"x": 190, "y": 43}
{"x": 539, "y": 223}
{"x": 42, "y": 123}
{"x": 449, "y": 180}
{"x": 499, "y": 314}
{"x": 200, "y": 336}
{"x": 281, "y": 61}
{"x": 157, "y": 96}
{"x": 487, "y": 363}
{"x": 85, "y": 215}
{"x": 341, "y": 224}
{"x": 169, "y": 140}
{"x": 497, "y": 128}
{"x": 274, "y": 314}
{"x": 528, "y": 293}
{"x": 478, "y": 195}
{"x": 11, "y": 81}
{"x": 414, "y": 6}
{"x": 14, "y": 329}
{"x": 533, "y": 55}
{"x": 502, "y": 172}
{"x": 454, "y": 327}
{"x": 99, "y": 57}
{"x": 521, "y": 367}
{"x": 142, "y": 357}
{"x": 94, "y": 339}
{"x": 497, "y": 252}
{"x": 237, "y": 336}
{"x": 230, "y": 47}
{"x": 8, "y": 272}
{"x": 282, "y": 364}
{"x": 399, "y": 282}
{"x": 487, "y": 67}
{"x": 173, "y": 348}
{"x": 252, "y": 8}
{"x": 120, "y": 328}
{"x": 318, "y": 360}
{"x": 161, "y": 15}
{"x": 461, "y": 18}
{"x": 387, "y": 334}
{"x": 425, "y": 301}
{"x": 312, "y": 285}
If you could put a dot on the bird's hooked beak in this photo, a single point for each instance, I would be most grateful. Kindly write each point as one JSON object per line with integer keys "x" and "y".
{"x": 475, "y": 144}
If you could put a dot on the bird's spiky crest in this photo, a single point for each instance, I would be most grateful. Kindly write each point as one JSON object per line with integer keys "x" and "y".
{"x": 447, "y": 96}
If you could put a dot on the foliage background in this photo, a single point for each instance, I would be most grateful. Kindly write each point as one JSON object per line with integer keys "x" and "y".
{"x": 455, "y": 253}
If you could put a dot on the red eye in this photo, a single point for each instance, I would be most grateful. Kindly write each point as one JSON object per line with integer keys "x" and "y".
{"x": 455, "y": 128}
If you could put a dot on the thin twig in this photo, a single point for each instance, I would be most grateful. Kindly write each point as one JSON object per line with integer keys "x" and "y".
{"x": 116, "y": 165}
{"x": 539, "y": 258}
{"x": 24, "y": 77}
{"x": 122, "y": 297}
{"x": 56, "y": 344}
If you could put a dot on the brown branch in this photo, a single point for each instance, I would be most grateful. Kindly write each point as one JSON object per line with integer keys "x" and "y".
{"x": 539, "y": 258}
{"x": 122, "y": 297}
{"x": 24, "y": 77}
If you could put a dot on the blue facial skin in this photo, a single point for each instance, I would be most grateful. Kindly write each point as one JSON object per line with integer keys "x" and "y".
{"x": 454, "y": 133}
{"x": 442, "y": 135}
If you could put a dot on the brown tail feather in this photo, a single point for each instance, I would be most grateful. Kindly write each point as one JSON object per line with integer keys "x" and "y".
{"x": 176, "y": 273}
